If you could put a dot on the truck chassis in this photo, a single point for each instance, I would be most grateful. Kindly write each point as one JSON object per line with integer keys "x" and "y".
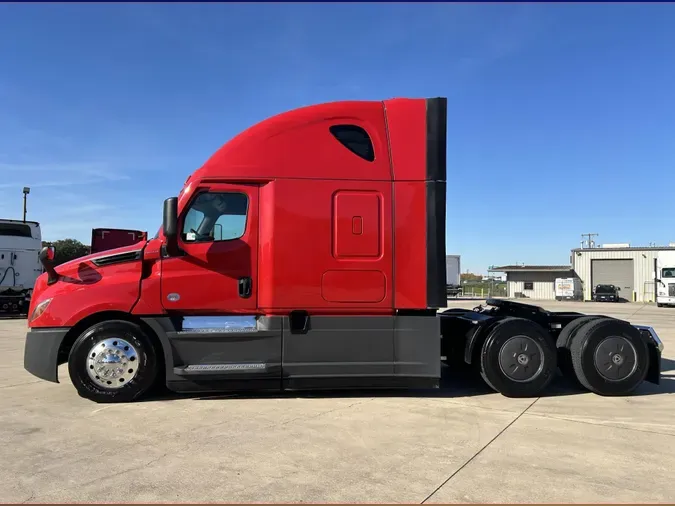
{"x": 516, "y": 348}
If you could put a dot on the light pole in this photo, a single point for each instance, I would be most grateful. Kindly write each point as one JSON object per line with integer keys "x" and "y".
{"x": 26, "y": 191}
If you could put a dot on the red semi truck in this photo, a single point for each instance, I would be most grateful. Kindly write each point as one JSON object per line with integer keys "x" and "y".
{"x": 309, "y": 252}
{"x": 103, "y": 239}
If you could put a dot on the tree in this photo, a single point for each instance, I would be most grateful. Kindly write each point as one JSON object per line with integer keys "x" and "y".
{"x": 467, "y": 276}
{"x": 68, "y": 249}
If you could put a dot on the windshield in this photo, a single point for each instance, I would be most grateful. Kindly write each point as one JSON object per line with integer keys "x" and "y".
{"x": 604, "y": 289}
{"x": 15, "y": 230}
{"x": 668, "y": 272}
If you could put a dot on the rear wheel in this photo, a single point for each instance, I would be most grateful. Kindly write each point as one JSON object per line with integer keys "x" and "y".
{"x": 518, "y": 358}
{"x": 609, "y": 357}
{"x": 563, "y": 345}
{"x": 113, "y": 361}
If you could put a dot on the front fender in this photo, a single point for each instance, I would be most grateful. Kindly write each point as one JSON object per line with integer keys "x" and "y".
{"x": 87, "y": 291}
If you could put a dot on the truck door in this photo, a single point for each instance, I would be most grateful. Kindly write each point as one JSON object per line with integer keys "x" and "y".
{"x": 210, "y": 289}
{"x": 217, "y": 270}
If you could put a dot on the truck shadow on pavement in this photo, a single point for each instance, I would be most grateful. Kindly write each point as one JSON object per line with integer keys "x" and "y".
{"x": 667, "y": 365}
{"x": 453, "y": 385}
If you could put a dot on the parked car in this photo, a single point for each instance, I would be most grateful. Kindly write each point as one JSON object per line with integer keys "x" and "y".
{"x": 606, "y": 293}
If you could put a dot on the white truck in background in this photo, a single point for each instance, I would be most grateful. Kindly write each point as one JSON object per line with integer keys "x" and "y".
{"x": 453, "y": 281}
{"x": 665, "y": 278}
{"x": 568, "y": 289}
{"x": 20, "y": 245}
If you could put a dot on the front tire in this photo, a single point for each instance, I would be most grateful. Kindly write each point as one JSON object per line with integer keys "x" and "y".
{"x": 518, "y": 358}
{"x": 113, "y": 361}
{"x": 609, "y": 357}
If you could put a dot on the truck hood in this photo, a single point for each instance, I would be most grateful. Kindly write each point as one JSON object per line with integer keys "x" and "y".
{"x": 130, "y": 253}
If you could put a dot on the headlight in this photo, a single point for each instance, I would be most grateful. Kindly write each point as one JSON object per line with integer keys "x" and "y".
{"x": 39, "y": 309}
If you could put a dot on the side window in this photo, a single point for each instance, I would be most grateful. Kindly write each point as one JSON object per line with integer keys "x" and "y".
{"x": 355, "y": 139}
{"x": 216, "y": 217}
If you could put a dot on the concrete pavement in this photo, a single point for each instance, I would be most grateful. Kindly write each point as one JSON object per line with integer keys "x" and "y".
{"x": 460, "y": 444}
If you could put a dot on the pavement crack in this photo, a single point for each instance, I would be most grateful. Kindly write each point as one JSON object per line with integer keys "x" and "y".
{"x": 108, "y": 477}
{"x": 479, "y": 452}
{"x": 605, "y": 425}
{"x": 21, "y": 384}
{"x": 305, "y": 418}
{"x": 30, "y": 498}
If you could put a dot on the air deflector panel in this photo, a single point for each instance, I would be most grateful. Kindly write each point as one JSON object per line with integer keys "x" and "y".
{"x": 436, "y": 126}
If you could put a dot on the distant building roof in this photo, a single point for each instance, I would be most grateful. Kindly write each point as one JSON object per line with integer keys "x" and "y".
{"x": 531, "y": 268}
{"x": 626, "y": 248}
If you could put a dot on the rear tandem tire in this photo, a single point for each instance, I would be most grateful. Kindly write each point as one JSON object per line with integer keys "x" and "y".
{"x": 609, "y": 357}
{"x": 563, "y": 345}
{"x": 518, "y": 358}
{"x": 113, "y": 361}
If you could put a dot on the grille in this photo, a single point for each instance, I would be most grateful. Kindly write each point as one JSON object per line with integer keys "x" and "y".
{"x": 671, "y": 290}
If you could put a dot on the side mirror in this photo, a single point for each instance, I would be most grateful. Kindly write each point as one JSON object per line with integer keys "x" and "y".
{"x": 170, "y": 218}
{"x": 170, "y": 225}
{"x": 46, "y": 257}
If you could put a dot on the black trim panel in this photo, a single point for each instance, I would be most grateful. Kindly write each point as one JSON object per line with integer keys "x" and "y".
{"x": 436, "y": 176}
{"x": 187, "y": 343}
{"x": 117, "y": 258}
{"x": 338, "y": 345}
{"x": 41, "y": 352}
{"x": 328, "y": 352}
{"x": 417, "y": 345}
{"x": 437, "y": 296}
{"x": 361, "y": 383}
{"x": 437, "y": 118}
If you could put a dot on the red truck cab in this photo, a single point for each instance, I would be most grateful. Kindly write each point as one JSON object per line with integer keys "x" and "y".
{"x": 307, "y": 252}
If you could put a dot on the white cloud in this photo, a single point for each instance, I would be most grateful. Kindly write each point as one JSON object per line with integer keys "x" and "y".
{"x": 18, "y": 175}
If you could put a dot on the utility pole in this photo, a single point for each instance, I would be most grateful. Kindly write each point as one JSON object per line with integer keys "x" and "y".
{"x": 26, "y": 191}
{"x": 590, "y": 239}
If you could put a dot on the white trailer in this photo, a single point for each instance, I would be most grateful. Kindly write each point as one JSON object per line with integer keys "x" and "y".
{"x": 665, "y": 278}
{"x": 568, "y": 289}
{"x": 452, "y": 275}
{"x": 20, "y": 244}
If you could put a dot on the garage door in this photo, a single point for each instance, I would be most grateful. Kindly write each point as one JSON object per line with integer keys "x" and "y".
{"x": 614, "y": 272}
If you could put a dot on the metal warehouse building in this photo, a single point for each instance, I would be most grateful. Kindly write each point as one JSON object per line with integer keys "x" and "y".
{"x": 533, "y": 281}
{"x": 631, "y": 269}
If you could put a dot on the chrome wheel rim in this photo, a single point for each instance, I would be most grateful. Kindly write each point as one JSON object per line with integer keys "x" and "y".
{"x": 112, "y": 363}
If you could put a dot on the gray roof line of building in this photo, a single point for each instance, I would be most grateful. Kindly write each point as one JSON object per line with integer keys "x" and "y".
{"x": 531, "y": 268}
{"x": 631, "y": 248}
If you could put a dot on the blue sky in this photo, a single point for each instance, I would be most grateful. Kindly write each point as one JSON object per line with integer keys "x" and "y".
{"x": 561, "y": 117}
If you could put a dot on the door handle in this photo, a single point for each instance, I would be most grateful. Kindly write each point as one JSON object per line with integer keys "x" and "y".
{"x": 245, "y": 287}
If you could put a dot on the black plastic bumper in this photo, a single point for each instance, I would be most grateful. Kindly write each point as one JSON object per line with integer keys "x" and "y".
{"x": 41, "y": 352}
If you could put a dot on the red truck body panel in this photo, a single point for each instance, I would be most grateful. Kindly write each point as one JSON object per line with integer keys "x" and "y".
{"x": 331, "y": 253}
{"x": 327, "y": 231}
{"x": 309, "y": 184}
{"x": 103, "y": 239}
{"x": 87, "y": 286}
